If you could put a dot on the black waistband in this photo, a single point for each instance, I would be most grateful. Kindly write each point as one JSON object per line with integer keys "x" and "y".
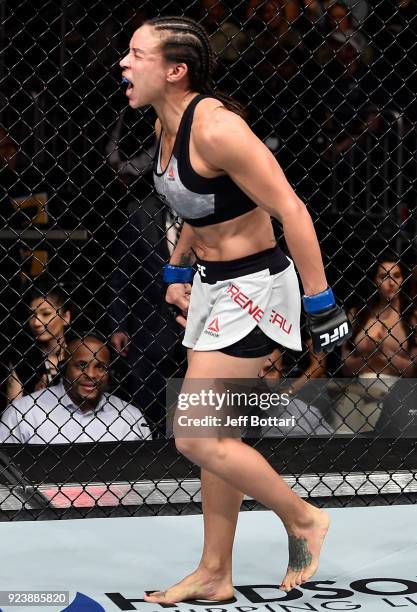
{"x": 273, "y": 260}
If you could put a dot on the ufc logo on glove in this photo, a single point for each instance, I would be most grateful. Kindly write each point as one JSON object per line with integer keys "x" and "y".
{"x": 326, "y": 321}
{"x": 337, "y": 334}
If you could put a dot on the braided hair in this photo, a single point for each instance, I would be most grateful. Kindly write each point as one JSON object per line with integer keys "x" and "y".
{"x": 188, "y": 42}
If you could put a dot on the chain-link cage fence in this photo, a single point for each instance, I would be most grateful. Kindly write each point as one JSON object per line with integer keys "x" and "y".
{"x": 329, "y": 87}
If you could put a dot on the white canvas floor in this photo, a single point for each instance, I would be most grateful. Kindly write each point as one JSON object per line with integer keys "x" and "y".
{"x": 92, "y": 557}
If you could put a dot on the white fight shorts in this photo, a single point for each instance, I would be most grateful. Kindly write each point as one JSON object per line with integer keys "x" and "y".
{"x": 229, "y": 299}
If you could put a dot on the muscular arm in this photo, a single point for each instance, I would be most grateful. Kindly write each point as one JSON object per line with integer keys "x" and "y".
{"x": 183, "y": 254}
{"x": 226, "y": 142}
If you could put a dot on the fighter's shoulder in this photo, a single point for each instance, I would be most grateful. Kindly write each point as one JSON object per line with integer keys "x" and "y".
{"x": 214, "y": 124}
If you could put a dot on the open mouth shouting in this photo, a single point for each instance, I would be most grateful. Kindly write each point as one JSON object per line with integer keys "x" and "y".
{"x": 129, "y": 85}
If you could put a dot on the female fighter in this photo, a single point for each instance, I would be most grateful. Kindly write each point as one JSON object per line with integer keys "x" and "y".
{"x": 225, "y": 184}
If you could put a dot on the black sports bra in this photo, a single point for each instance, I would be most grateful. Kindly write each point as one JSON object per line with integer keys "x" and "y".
{"x": 196, "y": 199}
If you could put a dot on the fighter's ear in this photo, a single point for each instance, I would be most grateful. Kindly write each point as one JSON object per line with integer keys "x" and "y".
{"x": 176, "y": 72}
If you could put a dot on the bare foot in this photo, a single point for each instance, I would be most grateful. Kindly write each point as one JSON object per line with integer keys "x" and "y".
{"x": 201, "y": 584}
{"x": 304, "y": 544}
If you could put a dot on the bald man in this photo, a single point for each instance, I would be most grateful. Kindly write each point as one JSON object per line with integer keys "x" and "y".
{"x": 77, "y": 409}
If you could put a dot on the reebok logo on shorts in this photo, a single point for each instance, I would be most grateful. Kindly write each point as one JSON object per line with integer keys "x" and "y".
{"x": 214, "y": 325}
{"x": 245, "y": 302}
{"x": 213, "y": 328}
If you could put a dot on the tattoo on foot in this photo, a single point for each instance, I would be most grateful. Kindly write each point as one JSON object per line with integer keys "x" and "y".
{"x": 300, "y": 556}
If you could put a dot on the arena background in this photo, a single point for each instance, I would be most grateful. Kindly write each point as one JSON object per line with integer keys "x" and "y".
{"x": 338, "y": 109}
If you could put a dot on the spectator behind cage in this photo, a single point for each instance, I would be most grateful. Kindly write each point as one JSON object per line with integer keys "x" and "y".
{"x": 306, "y": 419}
{"x": 77, "y": 409}
{"x": 9, "y": 254}
{"x": 393, "y": 29}
{"x": 147, "y": 336}
{"x": 269, "y": 29}
{"x": 340, "y": 28}
{"x": 351, "y": 98}
{"x": 382, "y": 349}
{"x": 227, "y": 38}
{"x": 309, "y": 22}
{"x": 40, "y": 344}
{"x": 273, "y": 80}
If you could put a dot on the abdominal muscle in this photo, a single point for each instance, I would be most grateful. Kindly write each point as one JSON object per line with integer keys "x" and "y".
{"x": 250, "y": 233}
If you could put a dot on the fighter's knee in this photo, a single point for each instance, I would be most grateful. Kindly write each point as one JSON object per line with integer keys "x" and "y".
{"x": 182, "y": 445}
{"x": 189, "y": 447}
